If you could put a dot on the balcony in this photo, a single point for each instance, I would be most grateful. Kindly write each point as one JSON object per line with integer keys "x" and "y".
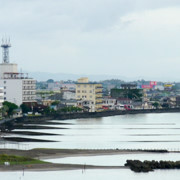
{"x": 98, "y": 97}
{"x": 99, "y": 87}
{"x": 99, "y": 92}
{"x": 13, "y": 75}
{"x": 98, "y": 102}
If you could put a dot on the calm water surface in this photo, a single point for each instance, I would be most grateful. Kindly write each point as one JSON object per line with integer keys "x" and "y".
{"x": 92, "y": 175}
{"x": 143, "y": 131}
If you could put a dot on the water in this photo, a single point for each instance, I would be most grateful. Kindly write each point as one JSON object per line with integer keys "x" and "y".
{"x": 92, "y": 175}
{"x": 143, "y": 131}
{"x": 116, "y": 160}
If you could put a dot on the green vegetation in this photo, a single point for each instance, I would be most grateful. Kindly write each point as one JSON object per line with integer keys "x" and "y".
{"x": 135, "y": 94}
{"x": 156, "y": 104}
{"x": 9, "y": 107}
{"x": 55, "y": 103}
{"x": 146, "y": 166}
{"x": 50, "y": 81}
{"x": 25, "y": 108}
{"x": 18, "y": 160}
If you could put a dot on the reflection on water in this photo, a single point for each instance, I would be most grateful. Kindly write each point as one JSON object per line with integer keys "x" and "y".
{"x": 93, "y": 175}
{"x": 143, "y": 131}
{"x": 116, "y": 160}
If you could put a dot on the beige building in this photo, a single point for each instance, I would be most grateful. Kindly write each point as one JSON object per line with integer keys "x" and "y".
{"x": 89, "y": 95}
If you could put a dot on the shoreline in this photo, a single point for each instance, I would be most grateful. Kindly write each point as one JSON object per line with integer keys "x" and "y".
{"x": 55, "y": 167}
{"x": 38, "y": 121}
{"x": 79, "y": 115}
{"x": 44, "y": 154}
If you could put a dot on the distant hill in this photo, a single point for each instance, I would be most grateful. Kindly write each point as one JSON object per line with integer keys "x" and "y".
{"x": 44, "y": 76}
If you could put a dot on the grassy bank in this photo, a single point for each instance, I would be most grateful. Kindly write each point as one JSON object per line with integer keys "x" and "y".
{"x": 20, "y": 160}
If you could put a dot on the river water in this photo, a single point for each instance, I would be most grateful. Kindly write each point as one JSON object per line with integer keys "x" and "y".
{"x": 141, "y": 131}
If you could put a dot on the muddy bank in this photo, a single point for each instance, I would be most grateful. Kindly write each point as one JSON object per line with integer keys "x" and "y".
{"x": 16, "y": 126}
{"x": 55, "y": 167}
{"x": 31, "y": 133}
{"x": 60, "y": 153}
{"x": 19, "y": 139}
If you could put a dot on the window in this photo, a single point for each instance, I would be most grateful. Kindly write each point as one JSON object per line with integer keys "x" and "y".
{"x": 90, "y": 91}
{"x": 4, "y": 82}
{"x": 4, "y": 87}
{"x": 4, "y": 98}
{"x": 4, "y": 92}
{"x": 90, "y": 96}
{"x": 78, "y": 91}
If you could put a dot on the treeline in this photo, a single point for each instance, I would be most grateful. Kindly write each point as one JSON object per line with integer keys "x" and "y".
{"x": 146, "y": 166}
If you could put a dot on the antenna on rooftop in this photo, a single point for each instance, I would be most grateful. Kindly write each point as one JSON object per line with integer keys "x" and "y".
{"x": 5, "y": 53}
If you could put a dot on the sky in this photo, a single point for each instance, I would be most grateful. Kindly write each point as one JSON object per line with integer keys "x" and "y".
{"x": 125, "y": 38}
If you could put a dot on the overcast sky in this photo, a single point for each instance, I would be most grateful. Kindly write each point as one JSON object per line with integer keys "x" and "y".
{"x": 132, "y": 38}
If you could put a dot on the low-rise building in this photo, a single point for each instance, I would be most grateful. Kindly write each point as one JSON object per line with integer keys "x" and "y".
{"x": 124, "y": 101}
{"x": 69, "y": 95}
{"x": 89, "y": 92}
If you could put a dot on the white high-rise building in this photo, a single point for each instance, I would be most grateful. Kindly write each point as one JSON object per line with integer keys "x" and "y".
{"x": 18, "y": 87}
{"x": 1, "y": 96}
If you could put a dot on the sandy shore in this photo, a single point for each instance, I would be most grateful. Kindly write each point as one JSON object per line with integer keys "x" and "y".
{"x": 61, "y": 153}
{"x": 55, "y": 167}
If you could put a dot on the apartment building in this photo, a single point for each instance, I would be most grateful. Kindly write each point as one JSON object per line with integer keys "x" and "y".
{"x": 18, "y": 87}
{"x": 1, "y": 96}
{"x": 89, "y": 95}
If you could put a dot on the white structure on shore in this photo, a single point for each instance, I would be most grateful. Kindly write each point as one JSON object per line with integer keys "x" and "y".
{"x": 18, "y": 87}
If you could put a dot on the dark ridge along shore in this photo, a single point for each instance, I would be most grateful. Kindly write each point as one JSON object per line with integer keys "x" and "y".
{"x": 36, "y": 122}
{"x": 65, "y": 116}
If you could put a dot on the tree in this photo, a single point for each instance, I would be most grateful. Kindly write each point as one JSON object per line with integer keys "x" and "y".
{"x": 10, "y": 107}
{"x": 4, "y": 110}
{"x": 50, "y": 81}
{"x": 155, "y": 104}
{"x": 25, "y": 108}
{"x": 55, "y": 103}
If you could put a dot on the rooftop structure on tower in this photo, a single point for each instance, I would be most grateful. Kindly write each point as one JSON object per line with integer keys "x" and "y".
{"x": 5, "y": 45}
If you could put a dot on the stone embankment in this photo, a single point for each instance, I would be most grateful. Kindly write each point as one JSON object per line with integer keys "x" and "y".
{"x": 65, "y": 116}
{"x": 112, "y": 113}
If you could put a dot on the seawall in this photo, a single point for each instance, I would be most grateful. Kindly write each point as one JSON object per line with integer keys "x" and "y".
{"x": 65, "y": 116}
